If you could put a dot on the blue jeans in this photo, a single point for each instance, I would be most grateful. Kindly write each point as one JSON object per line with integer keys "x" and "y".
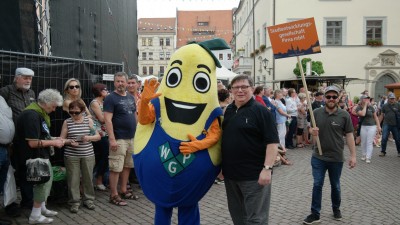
{"x": 385, "y": 136}
{"x": 291, "y": 132}
{"x": 4, "y": 164}
{"x": 319, "y": 169}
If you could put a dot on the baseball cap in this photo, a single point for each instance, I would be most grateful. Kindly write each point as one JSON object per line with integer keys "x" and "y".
{"x": 364, "y": 97}
{"x": 332, "y": 88}
{"x": 391, "y": 95}
{"x": 24, "y": 71}
{"x": 319, "y": 94}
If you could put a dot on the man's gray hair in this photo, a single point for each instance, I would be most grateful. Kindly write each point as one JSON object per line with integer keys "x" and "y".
{"x": 48, "y": 96}
{"x": 242, "y": 77}
{"x": 133, "y": 77}
{"x": 121, "y": 74}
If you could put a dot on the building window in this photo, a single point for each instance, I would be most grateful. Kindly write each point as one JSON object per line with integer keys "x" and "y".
{"x": 202, "y": 24}
{"x": 144, "y": 70}
{"x": 144, "y": 56}
{"x": 150, "y": 41}
{"x": 203, "y": 32}
{"x": 167, "y": 42}
{"x": 334, "y": 30}
{"x": 168, "y": 55}
{"x": 150, "y": 56}
{"x": 161, "y": 70}
{"x": 221, "y": 56}
{"x": 143, "y": 41}
{"x": 374, "y": 30}
{"x": 229, "y": 56}
{"x": 258, "y": 39}
{"x": 161, "y": 55}
{"x": 150, "y": 70}
{"x": 161, "y": 41}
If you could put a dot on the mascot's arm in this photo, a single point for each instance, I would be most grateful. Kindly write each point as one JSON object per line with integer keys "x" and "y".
{"x": 146, "y": 113}
{"x": 195, "y": 145}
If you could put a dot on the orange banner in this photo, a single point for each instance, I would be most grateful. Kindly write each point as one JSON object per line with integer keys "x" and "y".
{"x": 294, "y": 39}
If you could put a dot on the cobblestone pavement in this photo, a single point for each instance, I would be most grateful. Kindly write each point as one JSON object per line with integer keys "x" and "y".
{"x": 370, "y": 195}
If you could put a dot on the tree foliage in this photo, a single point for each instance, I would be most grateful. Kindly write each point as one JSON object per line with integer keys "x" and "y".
{"x": 316, "y": 66}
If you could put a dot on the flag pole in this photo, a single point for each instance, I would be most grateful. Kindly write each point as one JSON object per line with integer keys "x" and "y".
{"x": 303, "y": 79}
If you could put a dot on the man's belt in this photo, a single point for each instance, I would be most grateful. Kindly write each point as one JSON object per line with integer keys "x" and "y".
{"x": 4, "y": 146}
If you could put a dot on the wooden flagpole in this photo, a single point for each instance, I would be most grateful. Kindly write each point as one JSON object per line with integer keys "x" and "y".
{"x": 303, "y": 79}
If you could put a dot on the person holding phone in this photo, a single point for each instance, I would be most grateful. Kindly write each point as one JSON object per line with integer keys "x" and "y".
{"x": 79, "y": 159}
{"x": 369, "y": 123}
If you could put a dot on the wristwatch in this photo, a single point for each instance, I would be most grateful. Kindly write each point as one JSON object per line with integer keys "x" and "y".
{"x": 268, "y": 167}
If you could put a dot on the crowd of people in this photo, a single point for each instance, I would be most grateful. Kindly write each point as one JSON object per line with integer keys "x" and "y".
{"x": 97, "y": 140}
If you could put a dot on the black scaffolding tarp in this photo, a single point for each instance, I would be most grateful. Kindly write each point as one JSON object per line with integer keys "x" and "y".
{"x": 53, "y": 72}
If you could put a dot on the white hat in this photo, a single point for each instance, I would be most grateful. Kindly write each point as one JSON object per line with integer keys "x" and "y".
{"x": 24, "y": 72}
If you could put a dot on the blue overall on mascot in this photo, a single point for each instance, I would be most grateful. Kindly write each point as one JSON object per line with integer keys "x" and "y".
{"x": 177, "y": 151}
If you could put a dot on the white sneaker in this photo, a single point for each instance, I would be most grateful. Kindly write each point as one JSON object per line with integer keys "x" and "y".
{"x": 49, "y": 213}
{"x": 368, "y": 161}
{"x": 363, "y": 158}
{"x": 40, "y": 220}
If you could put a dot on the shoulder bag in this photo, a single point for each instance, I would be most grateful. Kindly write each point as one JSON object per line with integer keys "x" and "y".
{"x": 38, "y": 169}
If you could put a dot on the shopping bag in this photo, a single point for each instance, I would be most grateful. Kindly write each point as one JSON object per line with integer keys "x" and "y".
{"x": 10, "y": 189}
{"x": 37, "y": 171}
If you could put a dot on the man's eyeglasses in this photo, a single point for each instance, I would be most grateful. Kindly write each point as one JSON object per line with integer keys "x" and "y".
{"x": 75, "y": 113}
{"x": 74, "y": 86}
{"x": 243, "y": 88}
{"x": 331, "y": 96}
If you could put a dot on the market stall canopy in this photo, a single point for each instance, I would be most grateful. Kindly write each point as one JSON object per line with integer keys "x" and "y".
{"x": 393, "y": 85}
{"x": 224, "y": 74}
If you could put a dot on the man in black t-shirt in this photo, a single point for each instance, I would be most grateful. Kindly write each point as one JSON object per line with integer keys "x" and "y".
{"x": 249, "y": 148}
{"x": 388, "y": 117}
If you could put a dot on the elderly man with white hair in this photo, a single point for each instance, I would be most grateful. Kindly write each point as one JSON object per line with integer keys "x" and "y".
{"x": 18, "y": 96}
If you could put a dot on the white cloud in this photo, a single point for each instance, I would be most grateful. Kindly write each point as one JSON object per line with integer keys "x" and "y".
{"x": 167, "y": 8}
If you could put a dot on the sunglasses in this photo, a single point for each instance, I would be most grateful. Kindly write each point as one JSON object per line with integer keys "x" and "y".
{"x": 72, "y": 87}
{"x": 331, "y": 96}
{"x": 75, "y": 113}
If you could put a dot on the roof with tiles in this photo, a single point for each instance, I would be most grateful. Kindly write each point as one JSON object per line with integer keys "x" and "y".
{"x": 156, "y": 25}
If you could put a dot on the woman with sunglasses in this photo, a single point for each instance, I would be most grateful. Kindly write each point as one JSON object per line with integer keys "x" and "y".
{"x": 79, "y": 157}
{"x": 100, "y": 147}
{"x": 370, "y": 125}
{"x": 72, "y": 92}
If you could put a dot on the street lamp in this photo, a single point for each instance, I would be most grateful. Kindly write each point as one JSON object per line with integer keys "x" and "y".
{"x": 265, "y": 62}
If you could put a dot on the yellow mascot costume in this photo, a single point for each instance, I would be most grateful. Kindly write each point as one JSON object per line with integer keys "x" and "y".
{"x": 177, "y": 150}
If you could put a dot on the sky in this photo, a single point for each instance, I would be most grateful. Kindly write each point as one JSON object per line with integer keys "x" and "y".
{"x": 167, "y": 8}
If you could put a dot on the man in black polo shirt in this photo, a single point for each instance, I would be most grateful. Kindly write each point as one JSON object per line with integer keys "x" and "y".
{"x": 331, "y": 123}
{"x": 249, "y": 148}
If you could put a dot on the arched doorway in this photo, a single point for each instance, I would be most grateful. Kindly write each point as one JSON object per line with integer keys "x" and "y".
{"x": 380, "y": 85}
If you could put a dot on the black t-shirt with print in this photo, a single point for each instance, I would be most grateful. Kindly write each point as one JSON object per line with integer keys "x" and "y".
{"x": 30, "y": 126}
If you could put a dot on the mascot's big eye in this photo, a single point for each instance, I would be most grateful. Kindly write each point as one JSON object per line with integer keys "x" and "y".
{"x": 201, "y": 82}
{"x": 174, "y": 77}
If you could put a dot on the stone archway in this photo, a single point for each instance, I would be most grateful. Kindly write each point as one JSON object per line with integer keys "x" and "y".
{"x": 380, "y": 89}
{"x": 383, "y": 70}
